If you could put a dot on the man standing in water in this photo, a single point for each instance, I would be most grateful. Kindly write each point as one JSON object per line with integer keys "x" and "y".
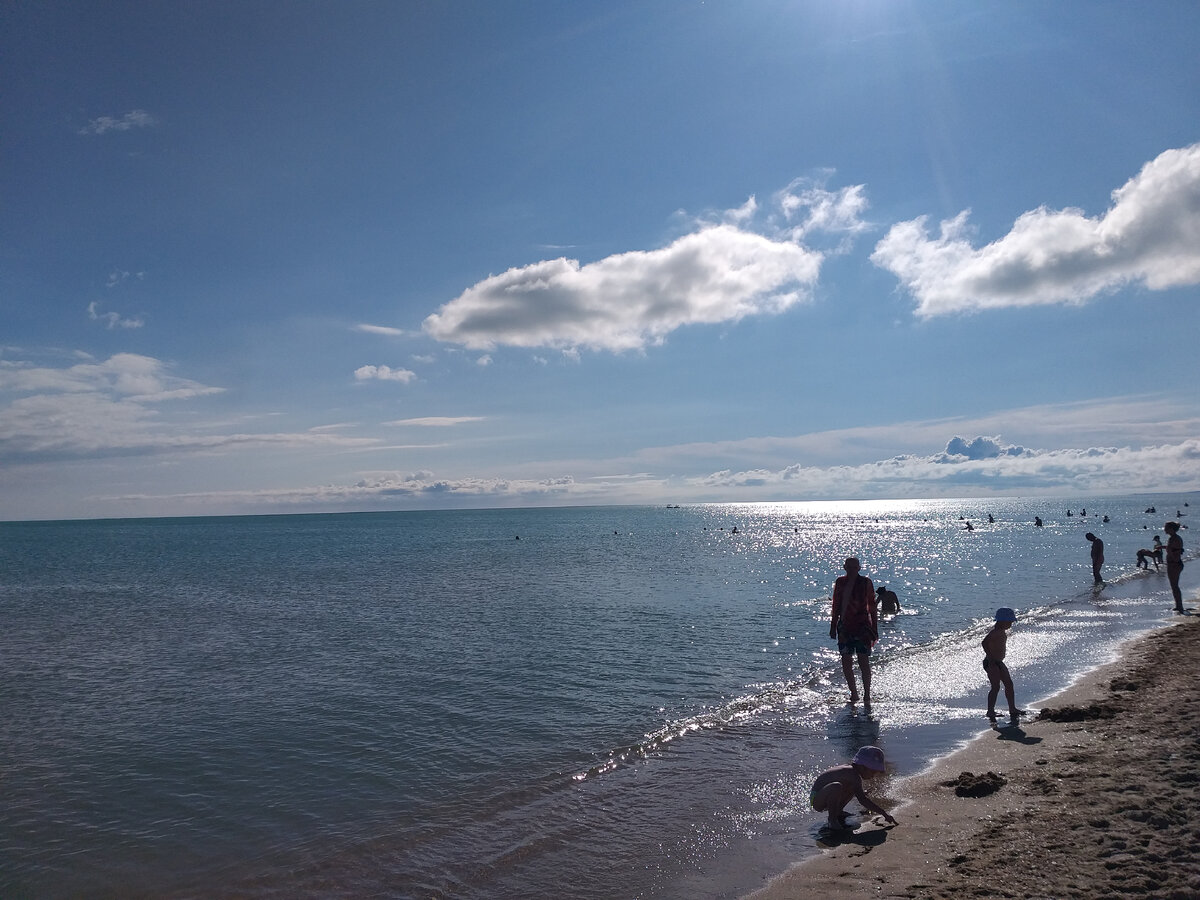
{"x": 1097, "y": 556}
{"x": 855, "y": 625}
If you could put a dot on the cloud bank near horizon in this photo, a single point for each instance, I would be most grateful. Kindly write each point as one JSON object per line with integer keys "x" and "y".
{"x": 1149, "y": 236}
{"x": 979, "y": 467}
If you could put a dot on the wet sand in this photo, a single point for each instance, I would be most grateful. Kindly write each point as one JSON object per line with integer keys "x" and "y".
{"x": 1096, "y": 797}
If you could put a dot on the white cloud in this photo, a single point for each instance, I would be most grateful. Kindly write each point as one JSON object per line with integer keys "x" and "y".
{"x": 720, "y": 272}
{"x": 1150, "y": 235}
{"x": 137, "y": 118}
{"x": 384, "y": 373}
{"x": 484, "y": 361}
{"x": 979, "y": 448}
{"x": 111, "y": 319}
{"x": 623, "y": 302}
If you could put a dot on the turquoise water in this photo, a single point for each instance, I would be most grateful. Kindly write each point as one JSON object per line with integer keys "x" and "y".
{"x": 590, "y": 702}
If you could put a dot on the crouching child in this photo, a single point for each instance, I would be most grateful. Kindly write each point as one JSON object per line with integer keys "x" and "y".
{"x": 838, "y": 786}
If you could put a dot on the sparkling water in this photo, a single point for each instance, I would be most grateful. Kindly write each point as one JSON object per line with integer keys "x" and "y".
{"x": 606, "y": 702}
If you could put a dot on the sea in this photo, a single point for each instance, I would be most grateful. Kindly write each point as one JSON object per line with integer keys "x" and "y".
{"x": 603, "y": 702}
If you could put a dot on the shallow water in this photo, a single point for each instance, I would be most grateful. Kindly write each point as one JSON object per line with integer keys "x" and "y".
{"x": 599, "y": 702}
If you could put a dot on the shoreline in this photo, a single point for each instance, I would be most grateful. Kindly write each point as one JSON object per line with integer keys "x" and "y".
{"x": 1098, "y": 798}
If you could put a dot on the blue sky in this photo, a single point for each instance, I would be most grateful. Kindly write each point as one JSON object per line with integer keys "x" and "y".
{"x": 310, "y": 256}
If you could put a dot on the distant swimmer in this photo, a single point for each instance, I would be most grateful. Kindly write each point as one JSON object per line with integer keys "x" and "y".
{"x": 1068, "y": 512}
{"x": 1097, "y": 557}
{"x": 990, "y": 519}
{"x": 888, "y": 601}
{"x": 1037, "y": 520}
{"x": 1105, "y": 519}
{"x": 969, "y": 527}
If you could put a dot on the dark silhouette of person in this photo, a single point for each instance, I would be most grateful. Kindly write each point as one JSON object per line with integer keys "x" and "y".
{"x": 1174, "y": 562}
{"x": 855, "y": 625}
{"x": 888, "y": 601}
{"x": 1097, "y": 556}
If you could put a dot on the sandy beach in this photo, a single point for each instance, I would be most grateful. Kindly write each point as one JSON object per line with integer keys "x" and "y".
{"x": 1094, "y": 797}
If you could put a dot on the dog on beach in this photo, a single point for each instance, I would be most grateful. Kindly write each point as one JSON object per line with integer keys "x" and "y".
{"x": 1145, "y": 557}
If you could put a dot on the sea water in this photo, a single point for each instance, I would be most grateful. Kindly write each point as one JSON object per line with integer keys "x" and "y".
{"x": 607, "y": 702}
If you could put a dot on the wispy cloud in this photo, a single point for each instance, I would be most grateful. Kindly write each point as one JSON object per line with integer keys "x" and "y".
{"x": 142, "y": 379}
{"x": 137, "y": 118}
{"x": 809, "y": 209}
{"x": 118, "y": 276}
{"x": 112, "y": 319}
{"x": 721, "y": 272}
{"x": 384, "y": 373}
{"x": 437, "y": 421}
{"x": 113, "y": 408}
{"x": 1150, "y": 236}
{"x": 384, "y": 330}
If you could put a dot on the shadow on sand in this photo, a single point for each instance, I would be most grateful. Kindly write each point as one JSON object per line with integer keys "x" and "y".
{"x": 828, "y": 838}
{"x": 1014, "y": 733}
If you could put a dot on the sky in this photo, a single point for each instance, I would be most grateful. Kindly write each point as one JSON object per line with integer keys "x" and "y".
{"x": 264, "y": 257}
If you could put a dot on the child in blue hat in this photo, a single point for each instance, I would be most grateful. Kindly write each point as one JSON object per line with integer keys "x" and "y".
{"x": 995, "y": 645}
{"x": 835, "y": 788}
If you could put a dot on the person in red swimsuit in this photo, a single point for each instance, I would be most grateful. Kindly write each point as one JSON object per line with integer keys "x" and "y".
{"x": 855, "y": 625}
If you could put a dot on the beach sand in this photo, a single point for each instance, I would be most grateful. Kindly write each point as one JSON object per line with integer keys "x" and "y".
{"x": 1095, "y": 798}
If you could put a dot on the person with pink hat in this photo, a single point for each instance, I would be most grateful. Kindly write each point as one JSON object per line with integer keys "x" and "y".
{"x": 835, "y": 788}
